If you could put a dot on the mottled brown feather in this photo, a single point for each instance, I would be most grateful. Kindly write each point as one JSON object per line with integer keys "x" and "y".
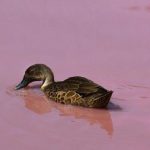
{"x": 79, "y": 91}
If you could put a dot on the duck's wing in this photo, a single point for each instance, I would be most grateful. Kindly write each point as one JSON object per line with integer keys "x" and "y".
{"x": 79, "y": 91}
{"x": 83, "y": 86}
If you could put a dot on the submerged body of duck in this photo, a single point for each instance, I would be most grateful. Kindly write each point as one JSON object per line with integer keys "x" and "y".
{"x": 74, "y": 90}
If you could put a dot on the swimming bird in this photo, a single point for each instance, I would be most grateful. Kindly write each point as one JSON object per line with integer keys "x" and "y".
{"x": 74, "y": 90}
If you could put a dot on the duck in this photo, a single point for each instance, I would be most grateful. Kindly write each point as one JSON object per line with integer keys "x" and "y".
{"x": 76, "y": 90}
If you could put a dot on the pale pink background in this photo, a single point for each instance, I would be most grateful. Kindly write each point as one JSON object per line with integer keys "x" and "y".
{"x": 106, "y": 41}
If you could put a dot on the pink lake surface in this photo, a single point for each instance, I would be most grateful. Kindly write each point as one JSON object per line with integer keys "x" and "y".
{"x": 106, "y": 41}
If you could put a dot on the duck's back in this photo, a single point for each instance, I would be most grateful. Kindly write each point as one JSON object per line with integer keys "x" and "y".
{"x": 79, "y": 91}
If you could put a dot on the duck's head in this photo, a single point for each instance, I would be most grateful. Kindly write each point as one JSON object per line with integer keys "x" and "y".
{"x": 37, "y": 72}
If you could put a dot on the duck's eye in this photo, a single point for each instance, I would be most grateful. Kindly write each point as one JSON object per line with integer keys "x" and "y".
{"x": 33, "y": 72}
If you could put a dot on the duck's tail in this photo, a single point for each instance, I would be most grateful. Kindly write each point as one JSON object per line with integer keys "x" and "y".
{"x": 99, "y": 101}
{"x": 104, "y": 100}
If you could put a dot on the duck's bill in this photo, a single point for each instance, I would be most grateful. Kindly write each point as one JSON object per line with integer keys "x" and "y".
{"x": 22, "y": 84}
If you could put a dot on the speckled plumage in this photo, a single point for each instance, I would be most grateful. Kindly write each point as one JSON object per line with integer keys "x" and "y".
{"x": 74, "y": 90}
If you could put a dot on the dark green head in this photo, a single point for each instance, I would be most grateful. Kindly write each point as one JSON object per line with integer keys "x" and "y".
{"x": 37, "y": 72}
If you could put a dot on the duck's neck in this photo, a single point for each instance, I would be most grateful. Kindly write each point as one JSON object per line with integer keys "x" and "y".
{"x": 48, "y": 79}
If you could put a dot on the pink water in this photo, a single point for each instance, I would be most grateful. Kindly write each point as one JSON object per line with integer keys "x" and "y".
{"x": 106, "y": 41}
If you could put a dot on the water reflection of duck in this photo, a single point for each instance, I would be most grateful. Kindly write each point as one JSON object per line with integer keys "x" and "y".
{"x": 37, "y": 103}
{"x": 74, "y": 90}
